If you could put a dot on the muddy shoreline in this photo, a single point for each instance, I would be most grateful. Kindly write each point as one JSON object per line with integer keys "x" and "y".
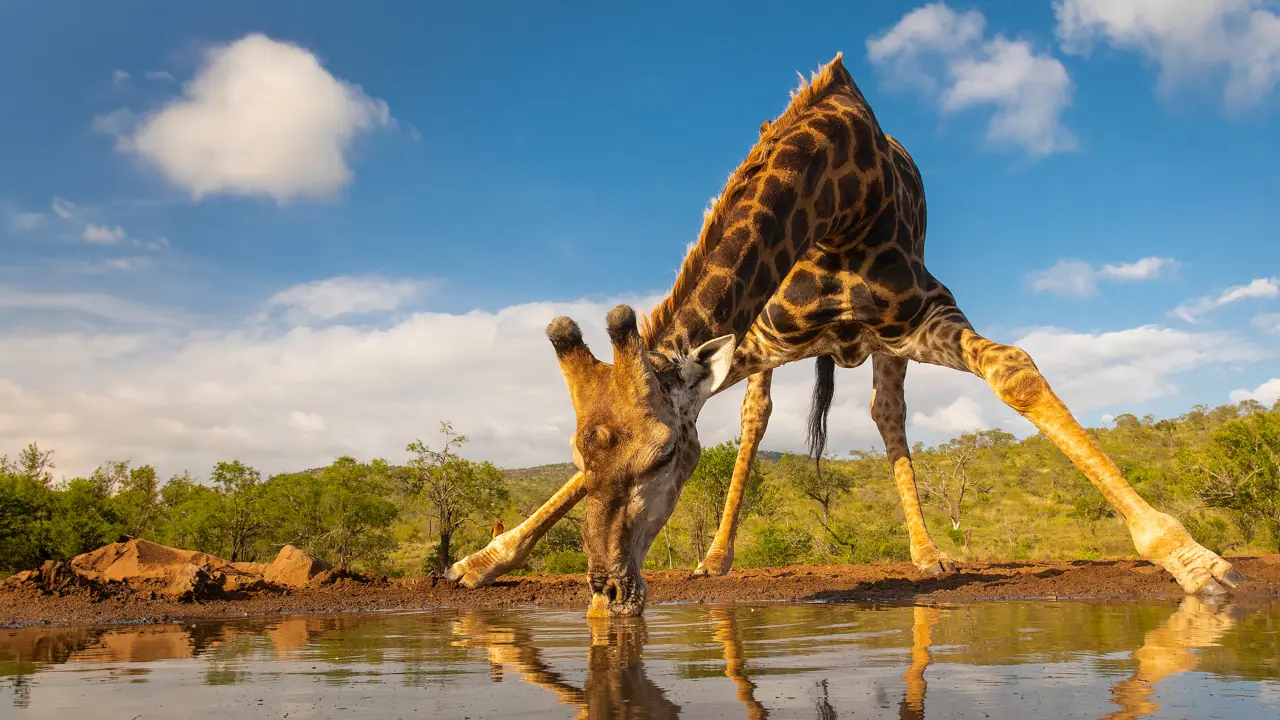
{"x": 1116, "y": 579}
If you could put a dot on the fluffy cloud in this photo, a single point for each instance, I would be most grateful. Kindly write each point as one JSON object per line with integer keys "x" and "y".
{"x": 1235, "y": 39}
{"x": 1076, "y": 278}
{"x": 119, "y": 76}
{"x": 261, "y": 117}
{"x": 20, "y": 221}
{"x": 1096, "y": 370}
{"x": 1193, "y": 311}
{"x": 183, "y": 397}
{"x": 103, "y": 234}
{"x": 1267, "y": 322}
{"x": 340, "y": 296}
{"x": 1268, "y": 393}
{"x": 1027, "y": 90}
{"x": 963, "y": 415}
{"x": 94, "y": 305}
{"x": 63, "y": 208}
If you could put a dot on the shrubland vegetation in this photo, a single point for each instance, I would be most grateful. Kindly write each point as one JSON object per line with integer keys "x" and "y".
{"x": 986, "y": 495}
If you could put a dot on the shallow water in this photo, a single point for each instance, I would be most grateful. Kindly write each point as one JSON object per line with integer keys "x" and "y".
{"x": 990, "y": 660}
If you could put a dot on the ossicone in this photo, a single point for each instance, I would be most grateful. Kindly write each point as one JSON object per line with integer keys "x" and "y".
{"x": 621, "y": 323}
{"x": 565, "y": 335}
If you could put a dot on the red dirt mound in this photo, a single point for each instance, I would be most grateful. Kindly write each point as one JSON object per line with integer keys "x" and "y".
{"x": 147, "y": 569}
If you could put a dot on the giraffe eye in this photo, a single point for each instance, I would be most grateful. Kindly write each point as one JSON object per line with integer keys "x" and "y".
{"x": 667, "y": 457}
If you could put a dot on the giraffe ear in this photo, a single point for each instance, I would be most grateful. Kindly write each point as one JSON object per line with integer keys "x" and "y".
{"x": 708, "y": 365}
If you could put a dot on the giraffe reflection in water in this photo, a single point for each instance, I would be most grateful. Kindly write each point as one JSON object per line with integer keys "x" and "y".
{"x": 616, "y": 685}
{"x": 848, "y": 657}
{"x": 1169, "y": 650}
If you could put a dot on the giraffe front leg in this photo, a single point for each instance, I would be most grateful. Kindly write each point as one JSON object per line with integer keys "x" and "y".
{"x": 756, "y": 406}
{"x": 1158, "y": 536}
{"x": 508, "y": 550}
{"x": 889, "y": 411}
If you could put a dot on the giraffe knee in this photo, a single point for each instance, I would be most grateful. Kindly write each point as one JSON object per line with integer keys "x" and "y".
{"x": 886, "y": 412}
{"x": 1015, "y": 378}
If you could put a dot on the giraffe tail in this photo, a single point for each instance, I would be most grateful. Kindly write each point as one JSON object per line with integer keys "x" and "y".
{"x": 824, "y": 390}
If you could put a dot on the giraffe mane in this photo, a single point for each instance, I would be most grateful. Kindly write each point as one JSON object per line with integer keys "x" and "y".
{"x": 809, "y": 93}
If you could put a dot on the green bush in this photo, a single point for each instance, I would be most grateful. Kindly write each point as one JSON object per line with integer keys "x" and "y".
{"x": 564, "y": 562}
{"x": 774, "y": 546}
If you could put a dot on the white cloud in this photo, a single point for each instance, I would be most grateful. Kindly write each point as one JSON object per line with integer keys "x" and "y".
{"x": 125, "y": 263}
{"x": 261, "y": 117}
{"x": 1268, "y": 393}
{"x": 347, "y": 295}
{"x": 161, "y": 243}
{"x": 119, "y": 76}
{"x": 1268, "y": 322}
{"x": 1027, "y": 90}
{"x": 963, "y": 415}
{"x": 1076, "y": 278}
{"x": 25, "y": 221}
{"x": 306, "y": 422}
{"x": 1238, "y": 40}
{"x": 290, "y": 397}
{"x": 63, "y": 208}
{"x": 159, "y": 75}
{"x": 1192, "y": 311}
{"x": 93, "y": 304}
{"x": 103, "y": 234}
{"x": 1145, "y": 269}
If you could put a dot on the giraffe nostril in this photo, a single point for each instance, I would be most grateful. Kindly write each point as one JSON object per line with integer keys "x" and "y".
{"x": 612, "y": 591}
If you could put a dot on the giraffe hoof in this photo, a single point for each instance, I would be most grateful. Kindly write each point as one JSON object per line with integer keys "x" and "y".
{"x": 938, "y": 564}
{"x": 713, "y": 565}
{"x": 939, "y": 569}
{"x": 475, "y": 570}
{"x": 1233, "y": 578}
{"x": 1211, "y": 589}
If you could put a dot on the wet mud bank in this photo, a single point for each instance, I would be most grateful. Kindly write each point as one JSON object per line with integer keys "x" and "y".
{"x": 1119, "y": 579}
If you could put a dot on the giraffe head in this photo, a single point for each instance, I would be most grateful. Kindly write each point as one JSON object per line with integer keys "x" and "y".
{"x": 636, "y": 443}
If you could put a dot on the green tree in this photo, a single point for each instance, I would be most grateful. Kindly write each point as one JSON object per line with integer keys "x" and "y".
{"x": 1240, "y": 470}
{"x": 33, "y": 463}
{"x": 82, "y": 520}
{"x": 452, "y": 488}
{"x": 242, "y": 517}
{"x": 137, "y": 503}
{"x": 703, "y": 497}
{"x": 109, "y": 477}
{"x": 949, "y": 473}
{"x": 824, "y": 488}
{"x": 25, "y": 508}
{"x": 342, "y": 512}
{"x": 191, "y": 515}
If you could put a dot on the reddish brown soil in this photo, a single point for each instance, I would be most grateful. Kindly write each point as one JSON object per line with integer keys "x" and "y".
{"x": 893, "y": 582}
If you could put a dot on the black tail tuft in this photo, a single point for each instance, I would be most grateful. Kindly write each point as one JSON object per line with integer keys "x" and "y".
{"x": 824, "y": 389}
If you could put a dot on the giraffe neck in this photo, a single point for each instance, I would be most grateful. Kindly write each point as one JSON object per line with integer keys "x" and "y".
{"x": 816, "y": 178}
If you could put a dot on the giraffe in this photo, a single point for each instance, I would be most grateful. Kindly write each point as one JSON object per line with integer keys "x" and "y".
{"x": 815, "y": 248}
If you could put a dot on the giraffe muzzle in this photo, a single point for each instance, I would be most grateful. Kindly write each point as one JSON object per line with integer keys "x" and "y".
{"x": 617, "y": 596}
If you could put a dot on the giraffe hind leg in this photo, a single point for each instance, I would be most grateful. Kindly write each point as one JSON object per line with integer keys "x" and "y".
{"x": 1010, "y": 372}
{"x": 889, "y": 411}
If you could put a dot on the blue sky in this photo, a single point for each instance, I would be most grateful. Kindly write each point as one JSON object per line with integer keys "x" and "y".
{"x": 197, "y": 268}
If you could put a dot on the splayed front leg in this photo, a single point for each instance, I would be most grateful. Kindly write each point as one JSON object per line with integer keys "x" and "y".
{"x": 756, "y": 407}
{"x": 506, "y": 551}
{"x": 1159, "y": 537}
